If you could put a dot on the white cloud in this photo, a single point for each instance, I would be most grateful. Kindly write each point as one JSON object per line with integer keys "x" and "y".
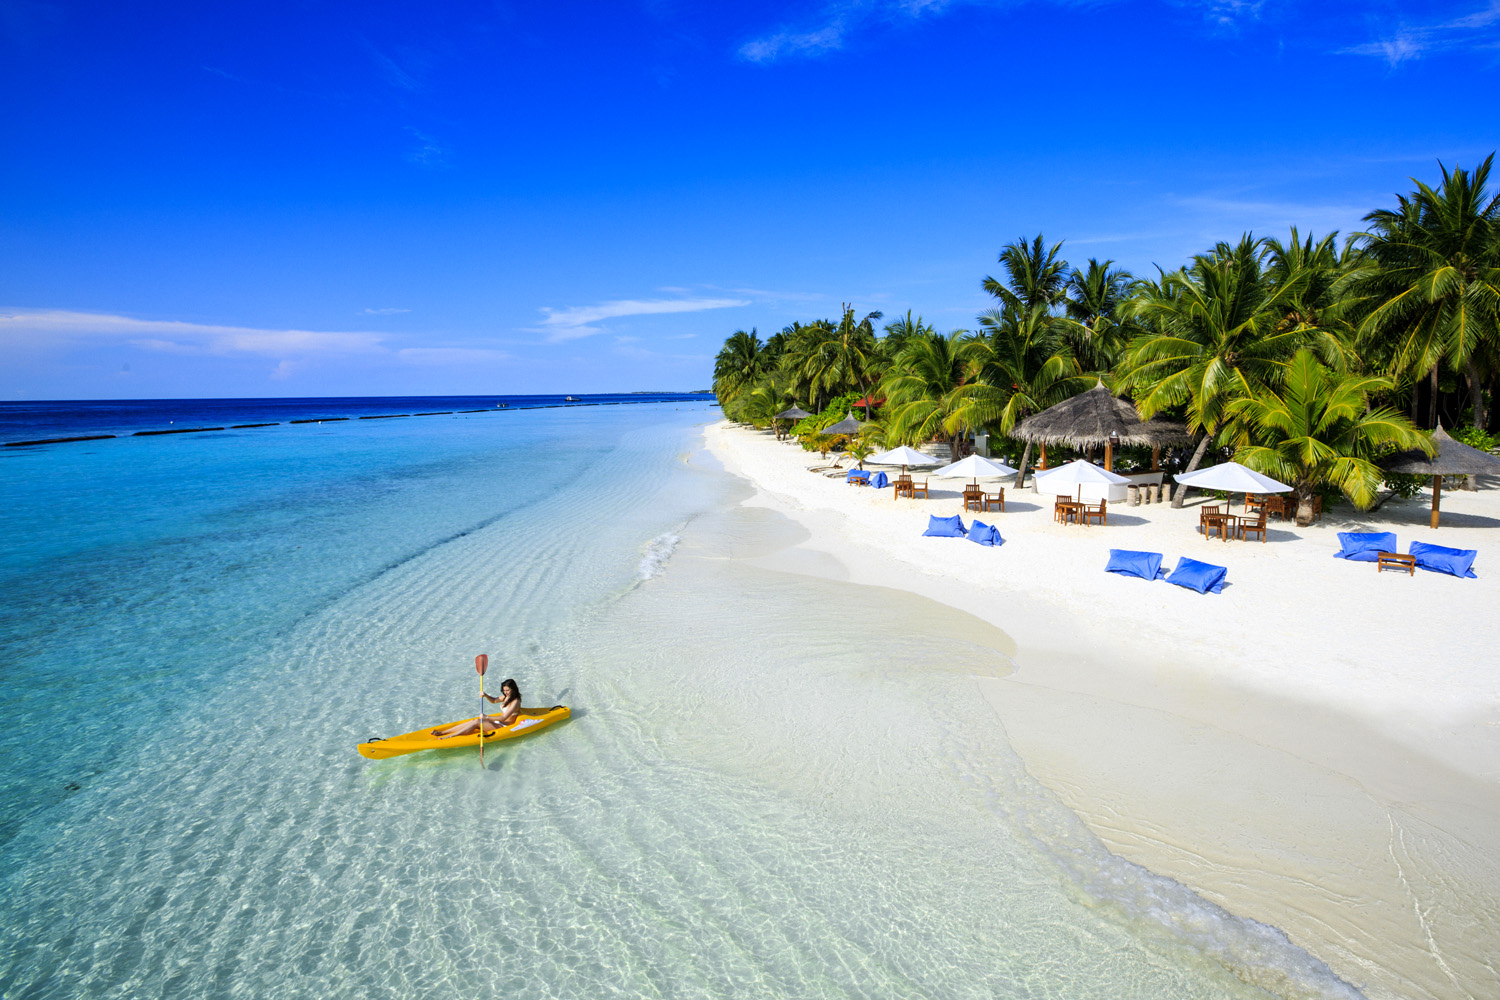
{"x": 57, "y": 326}
{"x": 575, "y": 322}
{"x": 1407, "y": 42}
{"x": 452, "y": 355}
{"x": 828, "y": 38}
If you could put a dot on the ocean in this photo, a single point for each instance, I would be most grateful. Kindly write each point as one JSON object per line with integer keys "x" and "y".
{"x": 773, "y": 784}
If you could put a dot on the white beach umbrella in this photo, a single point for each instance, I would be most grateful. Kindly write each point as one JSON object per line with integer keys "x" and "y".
{"x": 902, "y": 456}
{"x": 1076, "y": 473}
{"x": 1232, "y": 477}
{"x": 973, "y": 467}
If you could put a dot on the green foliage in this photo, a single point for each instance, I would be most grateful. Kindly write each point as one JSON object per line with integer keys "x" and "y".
{"x": 1317, "y": 430}
{"x": 1476, "y": 438}
{"x": 837, "y": 409}
{"x": 1405, "y": 486}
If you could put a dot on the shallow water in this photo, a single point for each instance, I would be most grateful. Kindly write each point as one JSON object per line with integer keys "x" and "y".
{"x": 773, "y": 785}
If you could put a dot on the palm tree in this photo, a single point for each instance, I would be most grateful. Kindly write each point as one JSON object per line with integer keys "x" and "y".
{"x": 1026, "y": 366}
{"x": 1035, "y": 275}
{"x": 1317, "y": 428}
{"x": 1214, "y": 334}
{"x": 1435, "y": 295}
{"x": 900, "y": 330}
{"x": 922, "y": 391}
{"x": 1095, "y": 327}
{"x": 738, "y": 364}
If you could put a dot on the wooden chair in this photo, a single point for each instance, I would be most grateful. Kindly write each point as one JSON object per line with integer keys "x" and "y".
{"x": 996, "y": 500}
{"x": 1059, "y": 509}
{"x": 1204, "y": 513}
{"x": 1248, "y": 527}
{"x": 917, "y": 487}
{"x": 1092, "y": 512}
{"x": 973, "y": 498}
{"x": 1217, "y": 521}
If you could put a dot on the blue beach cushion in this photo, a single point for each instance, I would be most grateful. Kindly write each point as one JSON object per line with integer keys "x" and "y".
{"x": 1363, "y": 546}
{"x": 1200, "y": 576}
{"x": 858, "y": 476}
{"x": 879, "y": 481}
{"x": 945, "y": 527}
{"x": 1146, "y": 565}
{"x": 985, "y": 534}
{"x": 1441, "y": 559}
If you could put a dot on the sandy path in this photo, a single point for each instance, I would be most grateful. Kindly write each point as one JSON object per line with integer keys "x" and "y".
{"x": 1318, "y": 747}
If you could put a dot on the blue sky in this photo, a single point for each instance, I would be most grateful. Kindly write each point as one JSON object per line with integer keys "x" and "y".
{"x": 239, "y": 199}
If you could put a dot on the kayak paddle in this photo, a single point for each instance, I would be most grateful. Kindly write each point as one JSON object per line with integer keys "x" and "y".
{"x": 481, "y": 664}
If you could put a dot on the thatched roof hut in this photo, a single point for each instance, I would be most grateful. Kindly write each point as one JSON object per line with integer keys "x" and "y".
{"x": 1452, "y": 458}
{"x": 1098, "y": 417}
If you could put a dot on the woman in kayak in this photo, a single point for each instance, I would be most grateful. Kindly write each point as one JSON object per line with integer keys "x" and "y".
{"x": 510, "y": 706}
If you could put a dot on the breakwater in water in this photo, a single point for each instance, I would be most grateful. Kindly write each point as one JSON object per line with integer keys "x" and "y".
{"x": 49, "y": 422}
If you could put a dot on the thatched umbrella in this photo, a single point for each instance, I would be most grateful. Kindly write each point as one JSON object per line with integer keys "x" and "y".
{"x": 846, "y": 426}
{"x": 1098, "y": 417}
{"x": 791, "y": 413}
{"x": 1452, "y": 458}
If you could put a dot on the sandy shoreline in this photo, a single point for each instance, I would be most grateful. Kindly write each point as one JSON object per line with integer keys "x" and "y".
{"x": 1318, "y": 747}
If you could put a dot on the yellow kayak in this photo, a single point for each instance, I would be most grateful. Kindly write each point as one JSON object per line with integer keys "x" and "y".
{"x": 529, "y": 721}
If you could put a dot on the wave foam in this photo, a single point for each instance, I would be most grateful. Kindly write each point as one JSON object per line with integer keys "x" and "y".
{"x": 658, "y": 551}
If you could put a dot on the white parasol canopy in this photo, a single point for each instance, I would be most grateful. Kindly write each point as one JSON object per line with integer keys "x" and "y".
{"x": 1231, "y": 477}
{"x": 902, "y": 456}
{"x": 973, "y": 467}
{"x": 1076, "y": 473}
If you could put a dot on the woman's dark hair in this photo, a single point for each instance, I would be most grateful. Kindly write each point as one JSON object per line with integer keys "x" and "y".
{"x": 513, "y": 686}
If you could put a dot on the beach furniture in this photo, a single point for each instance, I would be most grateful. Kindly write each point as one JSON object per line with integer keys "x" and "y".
{"x": 879, "y": 481}
{"x": 994, "y": 500}
{"x": 1096, "y": 512}
{"x": 985, "y": 534}
{"x": 1395, "y": 560}
{"x": 921, "y": 488}
{"x": 1365, "y": 546}
{"x": 1441, "y": 559}
{"x": 973, "y": 498}
{"x": 945, "y": 527}
{"x": 1248, "y": 526}
{"x": 1232, "y": 477}
{"x": 859, "y": 477}
{"x": 1200, "y": 576}
{"x": 1127, "y": 562}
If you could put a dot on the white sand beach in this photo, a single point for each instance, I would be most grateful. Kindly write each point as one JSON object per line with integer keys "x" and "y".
{"x": 1317, "y": 747}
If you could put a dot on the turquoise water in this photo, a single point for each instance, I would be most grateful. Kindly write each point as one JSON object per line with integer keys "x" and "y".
{"x": 773, "y": 785}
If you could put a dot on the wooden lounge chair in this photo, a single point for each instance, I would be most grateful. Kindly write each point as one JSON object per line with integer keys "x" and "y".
{"x": 1093, "y": 512}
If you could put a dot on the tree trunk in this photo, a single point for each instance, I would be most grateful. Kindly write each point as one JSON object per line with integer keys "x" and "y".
{"x": 1025, "y": 458}
{"x": 1304, "y": 508}
{"x": 1476, "y": 393}
{"x": 1182, "y": 489}
{"x": 1432, "y": 403}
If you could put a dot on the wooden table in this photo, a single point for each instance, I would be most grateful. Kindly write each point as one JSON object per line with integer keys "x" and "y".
{"x": 1224, "y": 522}
{"x": 904, "y": 488}
{"x": 1395, "y": 560}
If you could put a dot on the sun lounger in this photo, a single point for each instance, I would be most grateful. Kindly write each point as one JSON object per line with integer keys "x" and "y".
{"x": 1441, "y": 559}
{"x": 1200, "y": 576}
{"x": 945, "y": 527}
{"x": 1127, "y": 562}
{"x": 1364, "y": 546}
{"x": 985, "y": 534}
